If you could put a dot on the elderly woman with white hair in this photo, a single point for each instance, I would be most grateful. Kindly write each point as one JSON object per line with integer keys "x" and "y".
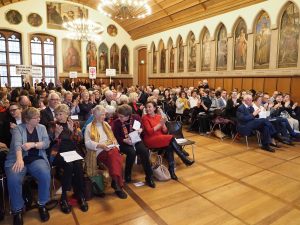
{"x": 102, "y": 147}
{"x": 109, "y": 99}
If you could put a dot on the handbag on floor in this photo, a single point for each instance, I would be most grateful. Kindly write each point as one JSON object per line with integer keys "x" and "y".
{"x": 160, "y": 171}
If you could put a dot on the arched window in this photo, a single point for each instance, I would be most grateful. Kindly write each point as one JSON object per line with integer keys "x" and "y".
{"x": 222, "y": 48}
{"x": 162, "y": 55}
{"x": 240, "y": 45}
{"x": 114, "y": 57}
{"x": 262, "y": 41}
{"x": 43, "y": 54}
{"x": 191, "y": 52}
{"x": 124, "y": 60}
{"x": 205, "y": 50}
{"x": 180, "y": 50}
{"x": 10, "y": 56}
{"x": 289, "y": 36}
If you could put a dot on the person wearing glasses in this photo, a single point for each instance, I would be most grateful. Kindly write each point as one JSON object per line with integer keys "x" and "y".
{"x": 27, "y": 155}
{"x": 47, "y": 114}
{"x": 67, "y": 137}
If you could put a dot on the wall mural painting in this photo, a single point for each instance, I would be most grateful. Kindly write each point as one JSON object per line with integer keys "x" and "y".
{"x": 124, "y": 60}
{"x": 240, "y": 45}
{"x": 103, "y": 58}
{"x": 180, "y": 49}
{"x": 262, "y": 42}
{"x": 13, "y": 17}
{"x": 91, "y": 55}
{"x": 172, "y": 58}
{"x": 57, "y": 13}
{"x": 162, "y": 53}
{"x": 154, "y": 60}
{"x": 222, "y": 49}
{"x": 71, "y": 50}
{"x": 112, "y": 30}
{"x": 114, "y": 57}
{"x": 205, "y": 56}
{"x": 34, "y": 19}
{"x": 192, "y": 52}
{"x": 289, "y": 37}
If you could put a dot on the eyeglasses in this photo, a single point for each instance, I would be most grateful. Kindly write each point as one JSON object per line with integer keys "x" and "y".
{"x": 13, "y": 110}
{"x": 54, "y": 99}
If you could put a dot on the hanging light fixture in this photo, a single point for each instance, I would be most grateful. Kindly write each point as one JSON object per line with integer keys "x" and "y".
{"x": 125, "y": 9}
{"x": 84, "y": 29}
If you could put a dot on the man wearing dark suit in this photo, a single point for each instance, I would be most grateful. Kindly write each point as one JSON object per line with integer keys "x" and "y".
{"x": 47, "y": 114}
{"x": 247, "y": 122}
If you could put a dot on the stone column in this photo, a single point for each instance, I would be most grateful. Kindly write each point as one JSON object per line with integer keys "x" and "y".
{"x": 175, "y": 60}
{"x": 250, "y": 52}
{"x": 185, "y": 61}
{"x": 230, "y": 53}
{"x": 167, "y": 61}
{"x": 83, "y": 59}
{"x": 198, "y": 55}
{"x": 158, "y": 61}
{"x": 213, "y": 55}
{"x": 150, "y": 64}
{"x": 274, "y": 48}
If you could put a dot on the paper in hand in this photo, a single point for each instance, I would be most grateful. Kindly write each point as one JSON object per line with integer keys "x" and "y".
{"x": 134, "y": 137}
{"x": 136, "y": 125}
{"x": 70, "y": 156}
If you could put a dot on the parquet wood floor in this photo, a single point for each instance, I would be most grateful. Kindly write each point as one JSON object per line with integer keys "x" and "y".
{"x": 227, "y": 185}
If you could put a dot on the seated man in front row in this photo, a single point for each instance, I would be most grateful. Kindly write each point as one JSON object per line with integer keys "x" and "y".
{"x": 248, "y": 122}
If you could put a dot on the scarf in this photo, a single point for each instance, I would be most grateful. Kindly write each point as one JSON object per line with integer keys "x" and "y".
{"x": 125, "y": 130}
{"x": 186, "y": 103}
{"x": 91, "y": 166}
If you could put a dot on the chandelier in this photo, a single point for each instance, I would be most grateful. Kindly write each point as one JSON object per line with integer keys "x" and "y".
{"x": 84, "y": 29}
{"x": 125, "y": 9}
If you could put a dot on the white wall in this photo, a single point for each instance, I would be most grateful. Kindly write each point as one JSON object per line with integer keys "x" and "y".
{"x": 39, "y": 6}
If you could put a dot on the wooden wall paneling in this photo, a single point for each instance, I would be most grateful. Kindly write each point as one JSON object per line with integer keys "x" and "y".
{"x": 219, "y": 82}
{"x": 184, "y": 82}
{"x": 237, "y": 83}
{"x": 228, "y": 84}
{"x": 247, "y": 83}
{"x": 211, "y": 82}
{"x": 295, "y": 89}
{"x": 190, "y": 82}
{"x": 284, "y": 85}
{"x": 270, "y": 85}
{"x": 258, "y": 84}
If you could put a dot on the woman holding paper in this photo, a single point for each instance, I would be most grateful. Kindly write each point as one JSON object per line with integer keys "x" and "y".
{"x": 102, "y": 146}
{"x": 156, "y": 137}
{"x": 66, "y": 137}
{"x": 127, "y": 129}
{"x": 27, "y": 155}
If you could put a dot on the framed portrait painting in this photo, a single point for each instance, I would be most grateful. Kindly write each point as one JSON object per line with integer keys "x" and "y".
{"x": 71, "y": 50}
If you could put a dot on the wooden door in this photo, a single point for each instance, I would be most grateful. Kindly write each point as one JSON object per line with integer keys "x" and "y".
{"x": 142, "y": 67}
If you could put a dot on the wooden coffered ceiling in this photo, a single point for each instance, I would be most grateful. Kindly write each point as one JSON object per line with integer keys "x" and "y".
{"x": 167, "y": 14}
